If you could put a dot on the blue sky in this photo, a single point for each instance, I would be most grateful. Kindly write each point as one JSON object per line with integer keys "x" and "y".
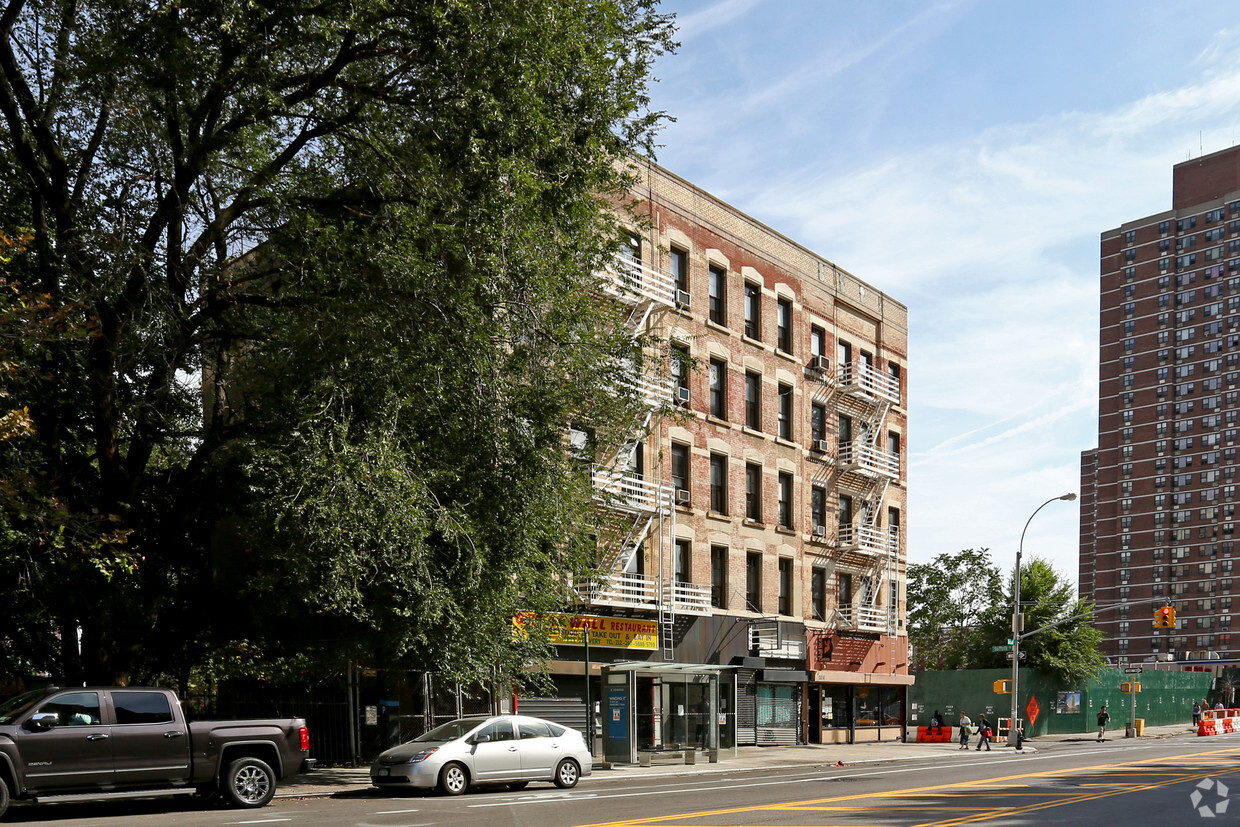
{"x": 962, "y": 157}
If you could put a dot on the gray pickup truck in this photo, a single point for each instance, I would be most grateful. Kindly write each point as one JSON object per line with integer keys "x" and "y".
{"x": 86, "y": 743}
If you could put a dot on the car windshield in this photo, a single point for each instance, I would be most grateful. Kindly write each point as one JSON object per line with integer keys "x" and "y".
{"x": 451, "y": 730}
{"x": 18, "y": 704}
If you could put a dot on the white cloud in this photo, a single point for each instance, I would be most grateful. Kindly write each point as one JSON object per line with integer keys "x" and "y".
{"x": 991, "y": 238}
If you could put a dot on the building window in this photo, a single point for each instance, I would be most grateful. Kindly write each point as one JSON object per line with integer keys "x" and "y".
{"x": 844, "y": 593}
{"x": 845, "y": 434}
{"x": 753, "y": 581}
{"x": 719, "y": 577}
{"x": 682, "y": 562}
{"x": 631, "y": 252}
{"x": 719, "y": 483}
{"x": 753, "y": 311}
{"x": 753, "y": 491}
{"x": 680, "y": 372}
{"x": 753, "y": 400}
{"x": 846, "y": 512}
{"x": 818, "y": 593}
{"x": 783, "y": 323}
{"x": 817, "y": 421}
{"x": 785, "y": 499}
{"x": 818, "y": 508}
{"x": 785, "y": 412}
{"x": 680, "y": 472}
{"x": 817, "y": 341}
{"x": 718, "y": 286}
{"x": 679, "y": 263}
{"x": 785, "y": 585}
{"x": 719, "y": 388}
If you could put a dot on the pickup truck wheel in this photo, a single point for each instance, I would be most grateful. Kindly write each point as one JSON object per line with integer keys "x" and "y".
{"x": 249, "y": 782}
{"x": 453, "y": 779}
{"x": 4, "y": 796}
{"x": 566, "y": 774}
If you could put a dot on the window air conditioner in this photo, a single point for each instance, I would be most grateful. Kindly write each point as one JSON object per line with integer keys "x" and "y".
{"x": 820, "y": 363}
{"x": 682, "y": 395}
{"x": 820, "y": 531}
{"x": 682, "y": 298}
{"x": 682, "y": 496}
{"x": 821, "y": 446}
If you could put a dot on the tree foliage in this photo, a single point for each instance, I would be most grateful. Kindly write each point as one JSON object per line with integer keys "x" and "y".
{"x": 958, "y": 614}
{"x": 946, "y": 599}
{"x": 319, "y": 292}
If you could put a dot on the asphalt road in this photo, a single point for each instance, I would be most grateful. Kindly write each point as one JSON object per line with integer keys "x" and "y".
{"x": 1168, "y": 782}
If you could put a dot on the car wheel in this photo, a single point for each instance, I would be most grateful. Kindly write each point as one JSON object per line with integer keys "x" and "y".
{"x": 453, "y": 779}
{"x": 249, "y": 783}
{"x": 566, "y": 774}
{"x": 518, "y": 785}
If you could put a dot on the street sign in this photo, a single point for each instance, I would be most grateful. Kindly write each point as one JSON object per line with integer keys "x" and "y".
{"x": 1132, "y": 670}
{"x": 1022, "y": 655}
{"x": 1001, "y": 648}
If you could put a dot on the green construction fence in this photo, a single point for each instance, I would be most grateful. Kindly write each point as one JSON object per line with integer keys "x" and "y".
{"x": 1048, "y": 706}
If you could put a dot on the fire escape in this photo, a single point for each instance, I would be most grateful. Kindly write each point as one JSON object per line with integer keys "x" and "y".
{"x": 636, "y": 510}
{"x": 862, "y": 470}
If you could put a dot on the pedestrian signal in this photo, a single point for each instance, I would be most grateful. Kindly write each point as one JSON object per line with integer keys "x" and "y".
{"x": 1003, "y": 687}
{"x": 1164, "y": 618}
{"x": 1130, "y": 688}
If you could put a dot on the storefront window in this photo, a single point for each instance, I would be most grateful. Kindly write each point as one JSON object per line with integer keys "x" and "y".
{"x": 834, "y": 707}
{"x": 889, "y": 698}
{"x": 867, "y": 705}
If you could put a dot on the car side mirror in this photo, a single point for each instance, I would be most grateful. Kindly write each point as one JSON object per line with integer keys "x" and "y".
{"x": 481, "y": 739}
{"x": 42, "y": 721}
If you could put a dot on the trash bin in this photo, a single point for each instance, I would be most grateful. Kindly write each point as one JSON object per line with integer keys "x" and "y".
{"x": 1140, "y": 727}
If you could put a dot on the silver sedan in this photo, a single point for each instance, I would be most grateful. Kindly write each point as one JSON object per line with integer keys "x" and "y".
{"x": 503, "y": 749}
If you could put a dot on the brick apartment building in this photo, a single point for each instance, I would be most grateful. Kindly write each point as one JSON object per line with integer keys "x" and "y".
{"x": 752, "y": 582}
{"x": 1159, "y": 491}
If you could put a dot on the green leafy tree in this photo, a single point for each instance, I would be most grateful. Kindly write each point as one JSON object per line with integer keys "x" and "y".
{"x": 1069, "y": 646}
{"x": 323, "y": 276}
{"x": 948, "y": 599}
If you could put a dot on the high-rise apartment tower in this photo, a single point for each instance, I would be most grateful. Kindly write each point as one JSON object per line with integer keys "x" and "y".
{"x": 1159, "y": 491}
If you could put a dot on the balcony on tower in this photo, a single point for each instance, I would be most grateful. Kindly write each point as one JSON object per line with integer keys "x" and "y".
{"x": 867, "y": 459}
{"x": 864, "y": 618}
{"x": 868, "y": 540}
{"x": 859, "y": 378}
{"x": 633, "y": 283}
{"x": 627, "y": 490}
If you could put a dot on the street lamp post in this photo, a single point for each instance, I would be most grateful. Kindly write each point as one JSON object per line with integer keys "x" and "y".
{"x": 1018, "y": 624}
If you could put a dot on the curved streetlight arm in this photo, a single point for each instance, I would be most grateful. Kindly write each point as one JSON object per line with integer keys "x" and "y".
{"x": 1018, "y": 627}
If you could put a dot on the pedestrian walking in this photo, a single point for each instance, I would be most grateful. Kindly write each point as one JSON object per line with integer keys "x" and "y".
{"x": 965, "y": 725}
{"x": 984, "y": 733}
{"x": 1196, "y": 713}
{"x": 1103, "y": 718}
{"x": 936, "y": 722}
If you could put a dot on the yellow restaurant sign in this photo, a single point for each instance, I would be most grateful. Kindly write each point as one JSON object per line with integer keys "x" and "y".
{"x": 616, "y": 632}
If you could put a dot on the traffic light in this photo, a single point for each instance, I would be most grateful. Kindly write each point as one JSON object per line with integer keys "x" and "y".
{"x": 1164, "y": 618}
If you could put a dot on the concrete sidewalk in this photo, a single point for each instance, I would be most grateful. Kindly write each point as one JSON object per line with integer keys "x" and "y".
{"x": 333, "y": 780}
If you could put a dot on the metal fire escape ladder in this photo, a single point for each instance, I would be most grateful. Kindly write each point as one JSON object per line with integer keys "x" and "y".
{"x": 645, "y": 290}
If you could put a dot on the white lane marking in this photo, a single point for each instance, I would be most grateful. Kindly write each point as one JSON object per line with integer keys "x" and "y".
{"x": 835, "y": 777}
{"x": 264, "y": 821}
{"x": 392, "y": 812}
